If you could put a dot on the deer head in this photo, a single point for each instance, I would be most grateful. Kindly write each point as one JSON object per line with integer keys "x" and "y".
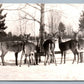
{"x": 26, "y": 37}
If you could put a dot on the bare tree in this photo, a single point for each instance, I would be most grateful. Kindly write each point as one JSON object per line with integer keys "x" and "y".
{"x": 54, "y": 19}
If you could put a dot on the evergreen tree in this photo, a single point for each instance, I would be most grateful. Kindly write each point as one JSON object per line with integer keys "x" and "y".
{"x": 9, "y": 34}
{"x": 81, "y": 20}
{"x": 2, "y": 22}
{"x": 61, "y": 28}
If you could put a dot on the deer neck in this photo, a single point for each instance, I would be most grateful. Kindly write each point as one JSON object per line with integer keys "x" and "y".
{"x": 60, "y": 39}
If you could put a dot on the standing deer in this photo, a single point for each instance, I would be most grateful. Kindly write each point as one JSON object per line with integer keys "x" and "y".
{"x": 49, "y": 46}
{"x": 15, "y": 46}
{"x": 81, "y": 42}
{"x": 29, "y": 52}
{"x": 10, "y": 46}
{"x": 72, "y": 45}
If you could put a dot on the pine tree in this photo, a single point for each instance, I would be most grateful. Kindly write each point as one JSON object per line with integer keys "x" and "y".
{"x": 2, "y": 22}
{"x": 61, "y": 28}
{"x": 81, "y": 20}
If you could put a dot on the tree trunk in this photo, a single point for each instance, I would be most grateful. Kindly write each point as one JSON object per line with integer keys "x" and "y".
{"x": 42, "y": 27}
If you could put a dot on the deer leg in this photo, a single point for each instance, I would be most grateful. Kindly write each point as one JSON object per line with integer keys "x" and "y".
{"x": 30, "y": 58}
{"x": 61, "y": 57}
{"x": 74, "y": 58}
{"x": 21, "y": 58}
{"x": 2, "y": 57}
{"x": 49, "y": 58}
{"x": 16, "y": 57}
{"x": 25, "y": 61}
{"x": 39, "y": 58}
{"x": 45, "y": 61}
{"x": 81, "y": 54}
{"x": 64, "y": 57}
{"x": 81, "y": 57}
{"x": 78, "y": 57}
{"x": 34, "y": 59}
{"x": 54, "y": 59}
{"x": 28, "y": 61}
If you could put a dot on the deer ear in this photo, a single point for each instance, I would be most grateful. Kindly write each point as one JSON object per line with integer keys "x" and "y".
{"x": 28, "y": 35}
{"x": 56, "y": 34}
{"x": 53, "y": 34}
{"x": 50, "y": 35}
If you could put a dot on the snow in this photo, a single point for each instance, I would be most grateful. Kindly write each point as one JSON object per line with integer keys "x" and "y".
{"x": 67, "y": 71}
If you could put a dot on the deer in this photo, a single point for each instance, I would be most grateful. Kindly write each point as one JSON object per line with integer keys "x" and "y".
{"x": 29, "y": 52}
{"x": 72, "y": 45}
{"x": 49, "y": 46}
{"x": 14, "y": 46}
{"x": 81, "y": 47}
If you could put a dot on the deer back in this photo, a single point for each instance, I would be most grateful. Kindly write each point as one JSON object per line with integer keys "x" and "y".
{"x": 49, "y": 45}
{"x": 11, "y": 46}
{"x": 29, "y": 47}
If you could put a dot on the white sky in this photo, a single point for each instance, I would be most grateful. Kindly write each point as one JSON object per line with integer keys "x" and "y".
{"x": 70, "y": 16}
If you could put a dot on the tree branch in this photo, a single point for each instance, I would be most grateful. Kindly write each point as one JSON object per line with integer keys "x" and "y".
{"x": 26, "y": 18}
{"x": 33, "y": 6}
{"x": 16, "y": 9}
{"x": 38, "y": 5}
{"x": 31, "y": 16}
